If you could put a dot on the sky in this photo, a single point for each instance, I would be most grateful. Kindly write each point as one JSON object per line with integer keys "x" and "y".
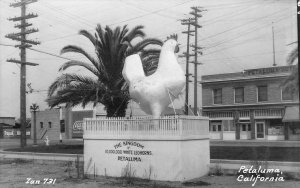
{"x": 235, "y": 35}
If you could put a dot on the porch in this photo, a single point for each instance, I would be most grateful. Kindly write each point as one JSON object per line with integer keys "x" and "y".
{"x": 258, "y": 124}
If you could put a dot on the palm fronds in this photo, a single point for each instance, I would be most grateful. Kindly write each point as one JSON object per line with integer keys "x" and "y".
{"x": 108, "y": 87}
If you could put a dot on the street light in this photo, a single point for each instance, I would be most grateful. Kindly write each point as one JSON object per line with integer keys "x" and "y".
{"x": 33, "y": 108}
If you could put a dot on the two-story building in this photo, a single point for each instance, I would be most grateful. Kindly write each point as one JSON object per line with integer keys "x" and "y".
{"x": 251, "y": 105}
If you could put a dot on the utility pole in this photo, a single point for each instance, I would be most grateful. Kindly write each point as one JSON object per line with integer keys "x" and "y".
{"x": 274, "y": 61}
{"x": 24, "y": 44}
{"x": 34, "y": 108}
{"x": 298, "y": 26}
{"x": 196, "y": 13}
{"x": 187, "y": 55}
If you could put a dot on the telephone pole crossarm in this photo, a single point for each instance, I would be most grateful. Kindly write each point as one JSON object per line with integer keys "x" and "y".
{"x": 28, "y": 16}
{"x": 13, "y": 36}
{"x": 21, "y": 62}
{"x": 22, "y": 2}
{"x": 23, "y": 25}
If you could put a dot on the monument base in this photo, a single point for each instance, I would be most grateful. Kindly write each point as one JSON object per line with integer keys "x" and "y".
{"x": 176, "y": 150}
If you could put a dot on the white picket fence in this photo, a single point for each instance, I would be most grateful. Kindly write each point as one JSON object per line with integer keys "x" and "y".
{"x": 146, "y": 125}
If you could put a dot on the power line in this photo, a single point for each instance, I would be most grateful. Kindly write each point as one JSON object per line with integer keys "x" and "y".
{"x": 233, "y": 28}
{"x": 50, "y": 54}
{"x": 130, "y": 19}
{"x": 40, "y": 51}
{"x": 242, "y": 42}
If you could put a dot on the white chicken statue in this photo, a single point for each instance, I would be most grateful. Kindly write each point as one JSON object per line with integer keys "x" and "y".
{"x": 155, "y": 92}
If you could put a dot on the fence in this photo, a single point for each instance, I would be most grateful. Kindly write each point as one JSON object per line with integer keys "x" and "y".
{"x": 146, "y": 126}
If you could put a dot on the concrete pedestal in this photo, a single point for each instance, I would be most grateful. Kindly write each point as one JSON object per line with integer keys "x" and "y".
{"x": 178, "y": 152}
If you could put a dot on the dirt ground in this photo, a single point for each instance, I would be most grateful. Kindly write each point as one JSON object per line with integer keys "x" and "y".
{"x": 14, "y": 174}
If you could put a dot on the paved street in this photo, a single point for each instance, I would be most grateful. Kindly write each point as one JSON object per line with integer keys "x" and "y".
{"x": 255, "y": 143}
{"x": 15, "y": 143}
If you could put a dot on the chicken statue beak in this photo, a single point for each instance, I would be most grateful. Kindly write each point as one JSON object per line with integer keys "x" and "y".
{"x": 176, "y": 48}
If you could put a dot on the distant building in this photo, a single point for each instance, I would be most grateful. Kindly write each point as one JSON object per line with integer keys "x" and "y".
{"x": 251, "y": 105}
{"x": 9, "y": 128}
{"x": 56, "y": 121}
{"x": 6, "y": 124}
{"x": 68, "y": 121}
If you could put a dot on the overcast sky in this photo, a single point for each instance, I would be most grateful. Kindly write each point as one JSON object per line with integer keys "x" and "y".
{"x": 236, "y": 35}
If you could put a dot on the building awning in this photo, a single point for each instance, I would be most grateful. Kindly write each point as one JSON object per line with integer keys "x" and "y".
{"x": 291, "y": 114}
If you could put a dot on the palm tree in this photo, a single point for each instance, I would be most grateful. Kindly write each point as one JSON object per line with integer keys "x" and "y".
{"x": 292, "y": 82}
{"x": 107, "y": 85}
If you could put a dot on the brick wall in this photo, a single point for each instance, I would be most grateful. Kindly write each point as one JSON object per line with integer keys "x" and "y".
{"x": 45, "y": 117}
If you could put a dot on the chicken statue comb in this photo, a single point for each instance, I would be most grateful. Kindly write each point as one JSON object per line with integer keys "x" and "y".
{"x": 172, "y": 36}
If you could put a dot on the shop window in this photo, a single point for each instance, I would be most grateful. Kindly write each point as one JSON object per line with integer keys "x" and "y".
{"x": 228, "y": 125}
{"x": 286, "y": 94}
{"x": 249, "y": 127}
{"x": 239, "y": 95}
{"x": 244, "y": 127}
{"x": 294, "y": 127}
{"x": 276, "y": 127}
{"x": 217, "y": 96}
{"x": 262, "y": 93}
{"x": 215, "y": 126}
{"x": 275, "y": 130}
{"x": 41, "y": 125}
{"x": 49, "y": 124}
{"x": 62, "y": 126}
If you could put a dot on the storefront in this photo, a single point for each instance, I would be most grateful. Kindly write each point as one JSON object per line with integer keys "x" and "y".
{"x": 292, "y": 123}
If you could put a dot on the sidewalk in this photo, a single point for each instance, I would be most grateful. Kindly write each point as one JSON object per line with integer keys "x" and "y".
{"x": 40, "y": 157}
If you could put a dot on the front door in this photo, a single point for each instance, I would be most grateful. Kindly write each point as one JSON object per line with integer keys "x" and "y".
{"x": 260, "y": 130}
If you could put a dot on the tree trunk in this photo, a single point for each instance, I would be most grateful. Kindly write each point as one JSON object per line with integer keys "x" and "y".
{"x": 117, "y": 108}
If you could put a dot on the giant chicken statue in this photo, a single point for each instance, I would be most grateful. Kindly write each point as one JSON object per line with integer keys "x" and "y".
{"x": 155, "y": 92}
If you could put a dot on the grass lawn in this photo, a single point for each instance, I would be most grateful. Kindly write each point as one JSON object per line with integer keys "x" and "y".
{"x": 216, "y": 152}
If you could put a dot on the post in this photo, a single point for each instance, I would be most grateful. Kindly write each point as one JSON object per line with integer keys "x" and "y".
{"x": 24, "y": 44}
{"x": 298, "y": 26}
{"x": 274, "y": 60}
{"x": 195, "y": 13}
{"x": 237, "y": 125}
{"x": 187, "y": 56}
{"x": 286, "y": 130}
{"x": 252, "y": 121}
{"x": 196, "y": 70}
{"x": 34, "y": 109}
{"x": 23, "y": 81}
{"x": 34, "y": 128}
{"x": 187, "y": 72}
{"x": 60, "y": 120}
